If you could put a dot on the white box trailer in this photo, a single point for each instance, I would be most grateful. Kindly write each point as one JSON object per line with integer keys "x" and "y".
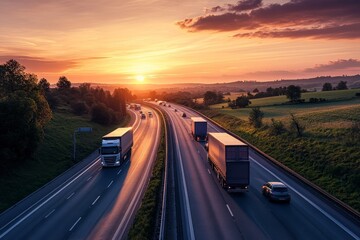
{"x": 229, "y": 157}
{"x": 116, "y": 146}
{"x": 199, "y": 128}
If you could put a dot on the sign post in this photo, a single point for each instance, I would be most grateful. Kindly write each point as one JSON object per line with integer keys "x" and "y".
{"x": 79, "y": 130}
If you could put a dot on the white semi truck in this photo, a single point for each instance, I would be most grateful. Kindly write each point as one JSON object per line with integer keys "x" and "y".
{"x": 116, "y": 146}
{"x": 229, "y": 158}
{"x": 199, "y": 128}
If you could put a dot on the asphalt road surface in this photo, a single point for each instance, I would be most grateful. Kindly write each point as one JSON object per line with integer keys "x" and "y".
{"x": 207, "y": 211}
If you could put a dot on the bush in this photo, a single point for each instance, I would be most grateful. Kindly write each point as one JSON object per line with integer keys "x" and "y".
{"x": 277, "y": 127}
{"x": 80, "y": 108}
{"x": 255, "y": 117}
{"x": 101, "y": 114}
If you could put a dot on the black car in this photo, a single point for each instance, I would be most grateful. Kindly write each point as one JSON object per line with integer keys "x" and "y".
{"x": 276, "y": 191}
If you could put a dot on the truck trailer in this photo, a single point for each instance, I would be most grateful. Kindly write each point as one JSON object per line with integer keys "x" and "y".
{"x": 229, "y": 158}
{"x": 116, "y": 146}
{"x": 198, "y": 128}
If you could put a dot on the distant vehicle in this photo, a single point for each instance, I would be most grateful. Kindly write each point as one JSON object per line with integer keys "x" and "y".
{"x": 143, "y": 116}
{"x": 140, "y": 112}
{"x": 156, "y": 100}
{"x": 169, "y": 105}
{"x": 137, "y": 106}
{"x": 229, "y": 158}
{"x": 276, "y": 191}
{"x": 199, "y": 128}
{"x": 150, "y": 114}
{"x": 115, "y": 147}
{"x": 175, "y": 110}
{"x": 183, "y": 115}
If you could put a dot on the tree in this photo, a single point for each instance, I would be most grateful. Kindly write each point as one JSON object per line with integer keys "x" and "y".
{"x": 242, "y": 102}
{"x": 24, "y": 112}
{"x": 63, "y": 83}
{"x": 255, "y": 117}
{"x": 100, "y": 114}
{"x": 293, "y": 93}
{"x": 255, "y": 90}
{"x": 44, "y": 86}
{"x": 341, "y": 86}
{"x": 296, "y": 126}
{"x": 210, "y": 98}
{"x": 327, "y": 87}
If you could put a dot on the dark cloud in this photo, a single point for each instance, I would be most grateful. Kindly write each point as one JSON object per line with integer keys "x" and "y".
{"x": 245, "y": 5}
{"x": 340, "y": 64}
{"x": 350, "y": 31}
{"x": 297, "y": 18}
{"x": 216, "y": 9}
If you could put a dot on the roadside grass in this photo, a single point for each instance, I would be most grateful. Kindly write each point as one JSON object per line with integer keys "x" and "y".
{"x": 337, "y": 95}
{"x": 53, "y": 156}
{"x": 146, "y": 218}
{"x": 328, "y": 153}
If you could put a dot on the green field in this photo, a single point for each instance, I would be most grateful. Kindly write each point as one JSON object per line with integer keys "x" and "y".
{"x": 269, "y": 101}
{"x": 54, "y": 156}
{"x": 273, "y": 108}
{"x": 328, "y": 153}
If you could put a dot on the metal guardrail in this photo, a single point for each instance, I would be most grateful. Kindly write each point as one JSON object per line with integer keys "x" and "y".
{"x": 335, "y": 200}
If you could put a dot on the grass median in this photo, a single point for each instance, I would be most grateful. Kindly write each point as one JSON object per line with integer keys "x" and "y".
{"x": 146, "y": 219}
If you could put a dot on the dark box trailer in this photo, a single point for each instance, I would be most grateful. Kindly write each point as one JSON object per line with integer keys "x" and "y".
{"x": 229, "y": 157}
{"x": 116, "y": 146}
{"x": 198, "y": 128}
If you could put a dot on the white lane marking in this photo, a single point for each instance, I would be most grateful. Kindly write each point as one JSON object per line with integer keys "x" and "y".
{"x": 72, "y": 194}
{"x": 232, "y": 215}
{"x": 110, "y": 183}
{"x": 311, "y": 203}
{"x": 209, "y": 171}
{"x": 47, "y": 215}
{"x": 119, "y": 171}
{"x": 187, "y": 204}
{"x": 74, "y": 224}
{"x": 46, "y": 201}
{"x": 89, "y": 178}
{"x": 95, "y": 200}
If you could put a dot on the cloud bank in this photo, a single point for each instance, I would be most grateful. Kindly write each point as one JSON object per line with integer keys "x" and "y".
{"x": 326, "y": 19}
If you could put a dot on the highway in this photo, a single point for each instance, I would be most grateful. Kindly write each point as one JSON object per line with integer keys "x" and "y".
{"x": 206, "y": 211}
{"x": 88, "y": 201}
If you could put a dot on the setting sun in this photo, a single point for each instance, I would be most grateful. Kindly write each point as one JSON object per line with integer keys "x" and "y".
{"x": 140, "y": 78}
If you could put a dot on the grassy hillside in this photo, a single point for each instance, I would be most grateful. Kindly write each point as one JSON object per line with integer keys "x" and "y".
{"x": 53, "y": 156}
{"x": 273, "y": 108}
{"x": 328, "y": 153}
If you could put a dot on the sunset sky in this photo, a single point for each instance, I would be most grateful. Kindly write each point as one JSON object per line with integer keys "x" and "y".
{"x": 163, "y": 41}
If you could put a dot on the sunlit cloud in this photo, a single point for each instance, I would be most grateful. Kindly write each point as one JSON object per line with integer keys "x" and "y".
{"x": 336, "y": 19}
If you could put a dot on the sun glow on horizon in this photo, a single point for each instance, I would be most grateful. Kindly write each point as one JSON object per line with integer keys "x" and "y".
{"x": 140, "y": 78}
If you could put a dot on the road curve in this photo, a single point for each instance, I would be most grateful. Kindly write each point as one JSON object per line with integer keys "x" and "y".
{"x": 91, "y": 202}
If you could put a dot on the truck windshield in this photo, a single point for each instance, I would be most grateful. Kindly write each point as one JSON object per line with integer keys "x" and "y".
{"x": 280, "y": 189}
{"x": 109, "y": 150}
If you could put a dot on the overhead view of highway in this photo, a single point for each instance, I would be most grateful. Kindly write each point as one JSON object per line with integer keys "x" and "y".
{"x": 89, "y": 201}
{"x": 206, "y": 211}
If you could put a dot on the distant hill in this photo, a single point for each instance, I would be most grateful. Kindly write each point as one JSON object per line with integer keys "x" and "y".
{"x": 238, "y": 86}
